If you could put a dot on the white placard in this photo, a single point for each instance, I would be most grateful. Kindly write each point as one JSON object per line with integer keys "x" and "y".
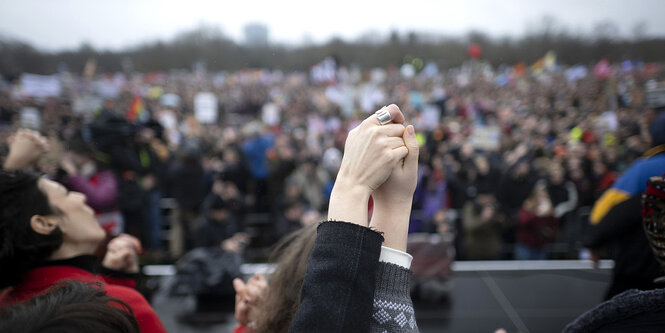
{"x": 31, "y": 118}
{"x": 270, "y": 114}
{"x": 485, "y": 137}
{"x": 40, "y": 86}
{"x": 205, "y": 107}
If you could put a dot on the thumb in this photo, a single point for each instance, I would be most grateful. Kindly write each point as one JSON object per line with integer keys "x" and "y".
{"x": 239, "y": 286}
{"x": 411, "y": 160}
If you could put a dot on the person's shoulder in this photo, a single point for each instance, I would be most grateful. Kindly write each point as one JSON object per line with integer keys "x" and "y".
{"x": 124, "y": 293}
{"x": 144, "y": 313}
{"x": 133, "y": 298}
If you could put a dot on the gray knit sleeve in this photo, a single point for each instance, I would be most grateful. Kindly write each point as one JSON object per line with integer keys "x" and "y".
{"x": 393, "y": 308}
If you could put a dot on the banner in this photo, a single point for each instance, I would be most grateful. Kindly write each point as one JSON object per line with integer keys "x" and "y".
{"x": 205, "y": 107}
{"x": 40, "y": 86}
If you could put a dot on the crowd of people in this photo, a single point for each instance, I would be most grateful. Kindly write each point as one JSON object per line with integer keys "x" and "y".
{"x": 508, "y": 160}
{"x": 512, "y": 158}
{"x": 354, "y": 264}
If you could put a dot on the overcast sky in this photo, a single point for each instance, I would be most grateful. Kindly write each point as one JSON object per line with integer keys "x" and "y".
{"x": 60, "y": 24}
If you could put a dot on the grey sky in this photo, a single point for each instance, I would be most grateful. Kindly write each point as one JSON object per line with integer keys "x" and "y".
{"x": 58, "y": 24}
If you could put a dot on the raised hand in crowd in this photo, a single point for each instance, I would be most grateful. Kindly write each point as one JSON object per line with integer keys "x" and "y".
{"x": 348, "y": 270}
{"x": 392, "y": 200}
{"x": 235, "y": 243}
{"x": 122, "y": 254}
{"x": 248, "y": 296}
{"x": 25, "y": 147}
{"x": 67, "y": 164}
{"x": 371, "y": 152}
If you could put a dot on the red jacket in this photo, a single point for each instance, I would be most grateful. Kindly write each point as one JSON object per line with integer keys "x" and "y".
{"x": 39, "y": 279}
{"x": 535, "y": 231}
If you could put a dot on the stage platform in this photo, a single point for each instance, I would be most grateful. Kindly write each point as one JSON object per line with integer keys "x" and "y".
{"x": 519, "y": 296}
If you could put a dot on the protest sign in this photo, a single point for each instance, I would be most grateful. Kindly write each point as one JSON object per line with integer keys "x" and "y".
{"x": 86, "y": 104}
{"x": 485, "y": 137}
{"x": 170, "y": 100}
{"x": 205, "y": 107}
{"x": 270, "y": 114}
{"x": 31, "y": 118}
{"x": 40, "y": 86}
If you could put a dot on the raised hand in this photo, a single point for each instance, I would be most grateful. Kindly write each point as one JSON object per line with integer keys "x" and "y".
{"x": 248, "y": 295}
{"x": 392, "y": 200}
{"x": 371, "y": 149}
{"x": 122, "y": 254}
{"x": 371, "y": 153}
{"x": 25, "y": 147}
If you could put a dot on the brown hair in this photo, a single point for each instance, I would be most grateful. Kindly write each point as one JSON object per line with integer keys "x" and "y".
{"x": 70, "y": 306}
{"x": 290, "y": 256}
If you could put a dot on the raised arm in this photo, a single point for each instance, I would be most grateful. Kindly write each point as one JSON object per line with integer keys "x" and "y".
{"x": 338, "y": 291}
{"x": 25, "y": 147}
{"x": 392, "y": 306}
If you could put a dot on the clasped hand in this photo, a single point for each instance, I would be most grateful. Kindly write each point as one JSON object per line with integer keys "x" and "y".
{"x": 381, "y": 161}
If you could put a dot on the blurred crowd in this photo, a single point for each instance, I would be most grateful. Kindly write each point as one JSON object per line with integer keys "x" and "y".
{"x": 511, "y": 158}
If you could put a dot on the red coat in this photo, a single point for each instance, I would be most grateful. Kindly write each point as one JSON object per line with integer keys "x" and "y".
{"x": 39, "y": 279}
{"x": 536, "y": 231}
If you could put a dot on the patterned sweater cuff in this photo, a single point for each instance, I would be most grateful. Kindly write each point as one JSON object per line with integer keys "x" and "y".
{"x": 392, "y": 282}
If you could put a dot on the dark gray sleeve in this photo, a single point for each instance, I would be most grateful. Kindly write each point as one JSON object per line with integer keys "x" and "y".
{"x": 393, "y": 308}
{"x": 338, "y": 290}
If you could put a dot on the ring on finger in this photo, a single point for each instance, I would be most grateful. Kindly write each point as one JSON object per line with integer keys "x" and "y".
{"x": 384, "y": 116}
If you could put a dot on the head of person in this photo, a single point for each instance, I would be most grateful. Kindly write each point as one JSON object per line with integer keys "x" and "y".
{"x": 83, "y": 156}
{"x": 294, "y": 210}
{"x": 657, "y": 130}
{"x": 653, "y": 216}
{"x": 521, "y": 169}
{"x": 538, "y": 201}
{"x": 556, "y": 173}
{"x": 290, "y": 256}
{"x": 219, "y": 210}
{"x": 39, "y": 221}
{"x": 482, "y": 164}
{"x": 70, "y": 306}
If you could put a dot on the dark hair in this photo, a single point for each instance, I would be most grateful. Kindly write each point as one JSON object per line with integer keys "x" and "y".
{"x": 20, "y": 246}
{"x": 217, "y": 203}
{"x": 78, "y": 146}
{"x": 290, "y": 255}
{"x": 70, "y": 306}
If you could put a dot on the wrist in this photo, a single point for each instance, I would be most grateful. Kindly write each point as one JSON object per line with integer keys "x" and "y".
{"x": 348, "y": 187}
{"x": 348, "y": 203}
{"x": 15, "y": 161}
{"x": 393, "y": 221}
{"x": 395, "y": 209}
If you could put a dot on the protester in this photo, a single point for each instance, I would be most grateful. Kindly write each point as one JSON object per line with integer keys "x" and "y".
{"x": 616, "y": 220}
{"x": 634, "y": 310}
{"x": 505, "y": 118}
{"x": 482, "y": 228}
{"x": 49, "y": 234}
{"x": 334, "y": 294}
{"x": 537, "y": 225}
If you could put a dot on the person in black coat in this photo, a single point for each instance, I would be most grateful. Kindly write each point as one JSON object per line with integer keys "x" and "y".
{"x": 219, "y": 228}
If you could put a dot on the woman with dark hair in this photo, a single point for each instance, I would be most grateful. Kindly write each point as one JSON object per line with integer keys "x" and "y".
{"x": 70, "y": 306}
{"x": 48, "y": 234}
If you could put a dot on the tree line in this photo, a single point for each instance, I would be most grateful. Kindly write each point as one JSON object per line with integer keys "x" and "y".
{"x": 216, "y": 51}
